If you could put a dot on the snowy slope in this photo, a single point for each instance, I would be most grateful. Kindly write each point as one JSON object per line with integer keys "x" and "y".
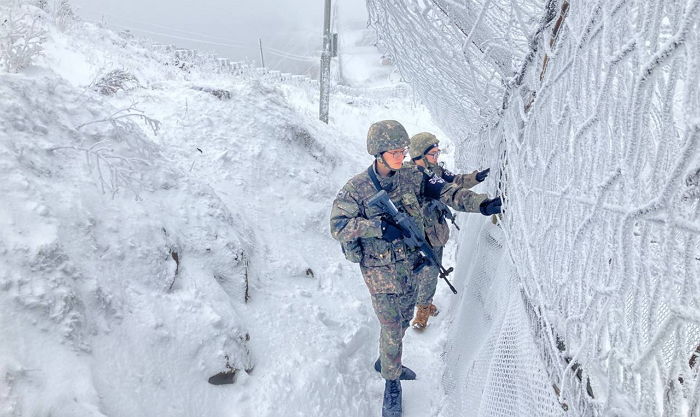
{"x": 90, "y": 280}
{"x": 123, "y": 284}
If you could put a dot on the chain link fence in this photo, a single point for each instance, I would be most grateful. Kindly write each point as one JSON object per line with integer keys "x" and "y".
{"x": 589, "y": 114}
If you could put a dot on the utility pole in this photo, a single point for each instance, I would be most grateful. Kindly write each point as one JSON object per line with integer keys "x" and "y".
{"x": 262, "y": 57}
{"x": 334, "y": 42}
{"x": 325, "y": 77}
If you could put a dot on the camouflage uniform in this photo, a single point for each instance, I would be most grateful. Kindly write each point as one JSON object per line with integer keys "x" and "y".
{"x": 437, "y": 231}
{"x": 387, "y": 267}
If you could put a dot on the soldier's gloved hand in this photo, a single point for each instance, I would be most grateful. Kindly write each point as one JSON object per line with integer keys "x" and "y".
{"x": 481, "y": 175}
{"x": 391, "y": 232}
{"x": 490, "y": 206}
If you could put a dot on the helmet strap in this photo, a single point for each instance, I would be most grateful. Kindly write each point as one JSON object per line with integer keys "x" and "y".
{"x": 429, "y": 164}
{"x": 380, "y": 159}
{"x": 418, "y": 158}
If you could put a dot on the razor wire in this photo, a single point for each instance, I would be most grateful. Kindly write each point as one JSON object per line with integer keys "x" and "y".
{"x": 589, "y": 111}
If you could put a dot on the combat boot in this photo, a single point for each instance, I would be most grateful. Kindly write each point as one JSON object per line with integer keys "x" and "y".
{"x": 406, "y": 373}
{"x": 392, "y": 398}
{"x": 421, "y": 320}
{"x": 434, "y": 310}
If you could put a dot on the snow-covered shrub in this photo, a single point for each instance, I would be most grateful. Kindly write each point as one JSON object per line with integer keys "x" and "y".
{"x": 692, "y": 183}
{"x": 114, "y": 81}
{"x": 21, "y": 36}
{"x": 219, "y": 93}
{"x": 184, "y": 59}
{"x": 300, "y": 137}
{"x": 118, "y": 158}
{"x": 63, "y": 14}
{"x": 60, "y": 11}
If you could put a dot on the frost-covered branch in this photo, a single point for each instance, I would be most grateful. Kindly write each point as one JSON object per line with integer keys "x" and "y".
{"x": 21, "y": 36}
{"x": 115, "y": 160}
{"x": 116, "y": 119}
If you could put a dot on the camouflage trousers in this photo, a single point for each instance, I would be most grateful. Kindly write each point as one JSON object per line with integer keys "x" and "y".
{"x": 395, "y": 312}
{"x": 427, "y": 280}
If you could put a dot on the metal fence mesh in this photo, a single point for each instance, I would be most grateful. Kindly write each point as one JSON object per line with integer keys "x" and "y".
{"x": 589, "y": 114}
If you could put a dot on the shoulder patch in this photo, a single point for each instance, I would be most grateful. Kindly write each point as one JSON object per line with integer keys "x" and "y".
{"x": 342, "y": 194}
{"x": 436, "y": 180}
{"x": 433, "y": 187}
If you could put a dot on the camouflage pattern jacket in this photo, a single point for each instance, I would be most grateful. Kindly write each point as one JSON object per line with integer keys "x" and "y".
{"x": 463, "y": 180}
{"x": 437, "y": 231}
{"x": 358, "y": 226}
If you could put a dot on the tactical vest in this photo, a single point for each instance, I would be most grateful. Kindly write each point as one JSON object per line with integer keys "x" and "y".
{"x": 373, "y": 252}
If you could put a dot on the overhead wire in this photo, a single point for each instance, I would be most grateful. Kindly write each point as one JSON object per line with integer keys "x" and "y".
{"x": 169, "y": 28}
{"x": 214, "y": 40}
{"x": 185, "y": 38}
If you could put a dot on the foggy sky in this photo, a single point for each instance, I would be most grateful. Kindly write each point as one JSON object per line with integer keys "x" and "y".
{"x": 290, "y": 29}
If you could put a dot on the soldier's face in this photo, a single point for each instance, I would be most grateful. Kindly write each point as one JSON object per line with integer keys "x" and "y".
{"x": 394, "y": 157}
{"x": 433, "y": 155}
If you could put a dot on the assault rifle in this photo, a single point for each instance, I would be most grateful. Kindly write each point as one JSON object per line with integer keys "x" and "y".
{"x": 413, "y": 236}
{"x": 445, "y": 212}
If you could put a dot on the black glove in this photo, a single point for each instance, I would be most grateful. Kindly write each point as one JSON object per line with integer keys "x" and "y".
{"x": 490, "y": 206}
{"x": 481, "y": 175}
{"x": 391, "y": 232}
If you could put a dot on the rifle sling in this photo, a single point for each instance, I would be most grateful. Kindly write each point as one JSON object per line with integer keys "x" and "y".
{"x": 377, "y": 185}
{"x": 373, "y": 177}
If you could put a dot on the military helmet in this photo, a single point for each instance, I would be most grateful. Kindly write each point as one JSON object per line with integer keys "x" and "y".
{"x": 420, "y": 143}
{"x": 386, "y": 135}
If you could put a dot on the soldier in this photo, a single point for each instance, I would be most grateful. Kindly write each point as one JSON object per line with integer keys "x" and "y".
{"x": 424, "y": 152}
{"x": 386, "y": 262}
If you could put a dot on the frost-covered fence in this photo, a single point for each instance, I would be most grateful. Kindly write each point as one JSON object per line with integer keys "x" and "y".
{"x": 187, "y": 59}
{"x": 590, "y": 113}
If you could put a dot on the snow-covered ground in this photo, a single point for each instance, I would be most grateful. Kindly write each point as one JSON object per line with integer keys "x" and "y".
{"x": 152, "y": 237}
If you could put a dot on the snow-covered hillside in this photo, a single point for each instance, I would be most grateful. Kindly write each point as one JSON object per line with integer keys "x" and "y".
{"x": 160, "y": 225}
